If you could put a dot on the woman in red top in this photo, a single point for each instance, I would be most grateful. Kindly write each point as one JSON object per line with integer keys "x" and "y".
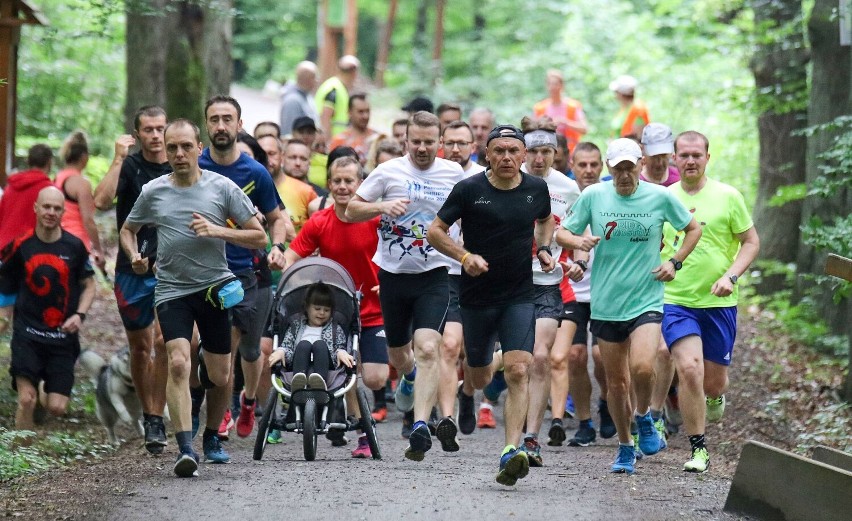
{"x": 79, "y": 217}
{"x": 353, "y": 245}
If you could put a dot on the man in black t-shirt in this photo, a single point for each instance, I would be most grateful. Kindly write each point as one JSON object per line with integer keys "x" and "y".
{"x": 48, "y": 270}
{"x": 134, "y": 293}
{"x": 496, "y": 208}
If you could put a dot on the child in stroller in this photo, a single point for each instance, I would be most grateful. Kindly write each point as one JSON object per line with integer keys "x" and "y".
{"x": 313, "y": 344}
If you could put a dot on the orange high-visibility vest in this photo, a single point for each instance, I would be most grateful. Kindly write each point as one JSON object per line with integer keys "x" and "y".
{"x": 638, "y": 110}
{"x": 571, "y": 107}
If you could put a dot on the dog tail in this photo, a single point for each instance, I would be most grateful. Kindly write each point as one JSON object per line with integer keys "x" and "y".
{"x": 92, "y": 363}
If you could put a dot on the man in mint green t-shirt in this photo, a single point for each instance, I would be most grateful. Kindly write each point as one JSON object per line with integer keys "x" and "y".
{"x": 626, "y": 218}
{"x": 700, "y": 321}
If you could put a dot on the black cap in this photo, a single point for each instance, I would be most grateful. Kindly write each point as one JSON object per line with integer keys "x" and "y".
{"x": 419, "y": 103}
{"x": 303, "y": 123}
{"x": 506, "y": 131}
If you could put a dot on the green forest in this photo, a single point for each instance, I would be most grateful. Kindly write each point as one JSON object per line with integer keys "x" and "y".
{"x": 768, "y": 81}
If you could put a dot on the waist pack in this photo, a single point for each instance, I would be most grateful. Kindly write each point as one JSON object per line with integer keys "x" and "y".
{"x": 225, "y": 294}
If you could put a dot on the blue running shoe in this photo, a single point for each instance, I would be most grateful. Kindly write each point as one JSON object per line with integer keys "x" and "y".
{"x": 514, "y": 465}
{"x": 186, "y": 465}
{"x": 419, "y": 442}
{"x": 625, "y": 461}
{"x": 404, "y": 396}
{"x": 649, "y": 438}
{"x": 213, "y": 451}
{"x": 274, "y": 437}
{"x": 570, "y": 411}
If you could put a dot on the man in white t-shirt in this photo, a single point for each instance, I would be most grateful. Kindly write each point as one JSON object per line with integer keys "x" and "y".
{"x": 408, "y": 192}
{"x": 458, "y": 144}
{"x": 540, "y": 138}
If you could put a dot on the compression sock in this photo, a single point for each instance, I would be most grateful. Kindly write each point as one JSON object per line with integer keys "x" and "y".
{"x": 697, "y": 441}
{"x": 184, "y": 441}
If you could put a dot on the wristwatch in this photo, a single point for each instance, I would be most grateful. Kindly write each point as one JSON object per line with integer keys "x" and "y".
{"x": 81, "y": 315}
{"x": 733, "y": 278}
{"x": 583, "y": 265}
{"x": 544, "y": 248}
{"x": 677, "y": 264}
{"x": 280, "y": 246}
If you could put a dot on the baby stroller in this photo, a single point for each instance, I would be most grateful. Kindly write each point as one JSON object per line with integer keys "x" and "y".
{"x": 309, "y": 409}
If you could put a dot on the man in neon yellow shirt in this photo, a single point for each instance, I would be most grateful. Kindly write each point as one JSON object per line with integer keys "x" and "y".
{"x": 700, "y": 313}
{"x": 332, "y": 98}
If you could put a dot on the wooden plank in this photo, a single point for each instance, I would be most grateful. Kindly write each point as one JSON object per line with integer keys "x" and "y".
{"x": 770, "y": 483}
{"x": 838, "y": 266}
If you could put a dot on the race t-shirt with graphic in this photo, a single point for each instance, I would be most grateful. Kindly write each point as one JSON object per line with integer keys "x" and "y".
{"x": 350, "y": 244}
{"x": 721, "y": 211}
{"x": 254, "y": 180}
{"x": 46, "y": 277}
{"x": 496, "y": 225}
{"x": 455, "y": 229}
{"x": 187, "y": 263}
{"x": 134, "y": 174}
{"x": 563, "y": 193}
{"x": 630, "y": 228}
{"x": 403, "y": 247}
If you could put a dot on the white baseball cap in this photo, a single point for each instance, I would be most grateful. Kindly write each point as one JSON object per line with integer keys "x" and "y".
{"x": 657, "y": 139}
{"x": 624, "y": 84}
{"x": 623, "y": 149}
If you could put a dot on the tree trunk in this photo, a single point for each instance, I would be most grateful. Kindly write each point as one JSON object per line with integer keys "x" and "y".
{"x": 178, "y": 55}
{"x": 384, "y": 45}
{"x": 438, "y": 44}
{"x": 831, "y": 78}
{"x": 780, "y": 77}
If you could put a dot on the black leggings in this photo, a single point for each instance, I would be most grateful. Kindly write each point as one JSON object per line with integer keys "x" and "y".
{"x": 312, "y": 358}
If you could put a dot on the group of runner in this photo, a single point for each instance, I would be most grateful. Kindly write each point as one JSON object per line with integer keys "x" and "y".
{"x": 484, "y": 268}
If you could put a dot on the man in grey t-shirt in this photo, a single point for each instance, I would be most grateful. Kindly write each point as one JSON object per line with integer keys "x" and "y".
{"x": 192, "y": 210}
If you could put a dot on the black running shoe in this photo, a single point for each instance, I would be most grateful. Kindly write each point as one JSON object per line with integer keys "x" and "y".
{"x": 447, "y": 434}
{"x": 419, "y": 443}
{"x": 467, "y": 414}
{"x": 584, "y": 437}
{"x": 155, "y": 435}
{"x": 556, "y": 433}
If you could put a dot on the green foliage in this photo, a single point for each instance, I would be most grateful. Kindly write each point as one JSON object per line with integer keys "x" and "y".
{"x": 71, "y": 74}
{"x": 35, "y": 453}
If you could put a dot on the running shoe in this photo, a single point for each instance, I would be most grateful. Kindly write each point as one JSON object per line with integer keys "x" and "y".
{"x": 315, "y": 381}
{"x": 607, "y": 429}
{"x": 407, "y": 424}
{"x": 299, "y": 382}
{"x": 447, "y": 433}
{"x": 660, "y": 425}
{"x": 584, "y": 436}
{"x": 155, "y": 435}
{"x": 649, "y": 438}
{"x": 186, "y": 465}
{"x": 337, "y": 437}
{"x": 226, "y": 426}
{"x": 404, "y": 395}
{"x": 245, "y": 421}
{"x": 625, "y": 461}
{"x": 570, "y": 411}
{"x": 467, "y": 414}
{"x": 514, "y": 465}
{"x": 363, "y": 448}
{"x": 380, "y": 414}
{"x": 214, "y": 452}
{"x": 419, "y": 442}
{"x": 274, "y": 437}
{"x": 715, "y": 408}
{"x": 556, "y": 433}
{"x": 486, "y": 419}
{"x": 699, "y": 461}
{"x": 533, "y": 451}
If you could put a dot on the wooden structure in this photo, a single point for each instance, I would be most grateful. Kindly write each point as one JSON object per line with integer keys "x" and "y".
{"x": 13, "y": 14}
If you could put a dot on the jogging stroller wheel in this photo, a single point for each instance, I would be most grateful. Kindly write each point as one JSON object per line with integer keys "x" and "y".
{"x": 309, "y": 430}
{"x": 368, "y": 426}
{"x": 263, "y": 426}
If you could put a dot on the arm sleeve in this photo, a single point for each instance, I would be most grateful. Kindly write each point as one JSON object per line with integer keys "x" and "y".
{"x": 373, "y": 187}
{"x": 545, "y": 210}
{"x": 141, "y": 209}
{"x": 240, "y": 207}
{"x": 739, "y": 215}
